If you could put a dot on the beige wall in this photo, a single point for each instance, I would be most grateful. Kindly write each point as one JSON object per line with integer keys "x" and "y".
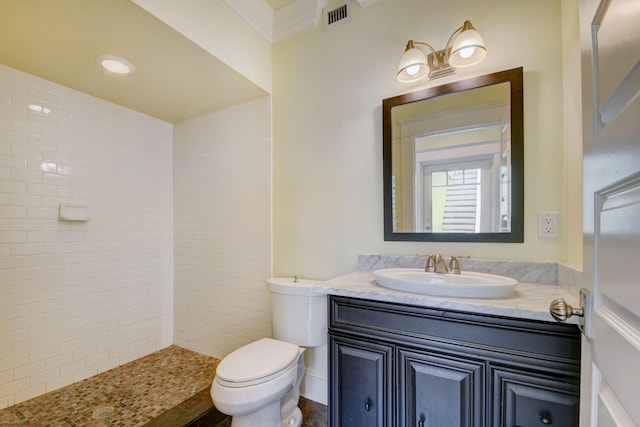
{"x": 212, "y": 25}
{"x": 572, "y": 94}
{"x": 327, "y": 161}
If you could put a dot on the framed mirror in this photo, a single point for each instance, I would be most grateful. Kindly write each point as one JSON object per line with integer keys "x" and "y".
{"x": 453, "y": 161}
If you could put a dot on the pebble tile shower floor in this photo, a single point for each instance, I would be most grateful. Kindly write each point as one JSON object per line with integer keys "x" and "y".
{"x": 167, "y": 388}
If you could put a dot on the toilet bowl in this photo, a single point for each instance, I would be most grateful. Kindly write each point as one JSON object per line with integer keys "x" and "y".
{"x": 254, "y": 379}
{"x": 259, "y": 384}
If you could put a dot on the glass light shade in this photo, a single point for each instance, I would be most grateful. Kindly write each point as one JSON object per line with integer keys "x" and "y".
{"x": 413, "y": 66}
{"x": 467, "y": 49}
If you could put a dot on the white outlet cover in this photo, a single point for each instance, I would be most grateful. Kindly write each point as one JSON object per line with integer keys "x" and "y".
{"x": 547, "y": 225}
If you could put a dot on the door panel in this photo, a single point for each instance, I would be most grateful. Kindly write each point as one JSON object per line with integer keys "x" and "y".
{"x": 610, "y": 412}
{"x": 618, "y": 234}
{"x": 611, "y": 132}
{"x": 360, "y": 386}
{"x": 616, "y": 60}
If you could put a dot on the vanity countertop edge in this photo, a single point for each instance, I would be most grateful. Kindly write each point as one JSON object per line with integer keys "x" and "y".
{"x": 530, "y": 300}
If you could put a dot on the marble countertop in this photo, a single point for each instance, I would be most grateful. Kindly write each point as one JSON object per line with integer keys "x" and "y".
{"x": 530, "y": 300}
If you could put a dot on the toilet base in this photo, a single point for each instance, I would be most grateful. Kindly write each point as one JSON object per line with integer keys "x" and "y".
{"x": 293, "y": 420}
{"x": 267, "y": 416}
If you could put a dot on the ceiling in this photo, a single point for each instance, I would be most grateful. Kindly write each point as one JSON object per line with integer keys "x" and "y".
{"x": 174, "y": 80}
{"x": 278, "y": 4}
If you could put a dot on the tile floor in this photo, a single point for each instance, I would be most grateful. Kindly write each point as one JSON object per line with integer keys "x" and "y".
{"x": 167, "y": 388}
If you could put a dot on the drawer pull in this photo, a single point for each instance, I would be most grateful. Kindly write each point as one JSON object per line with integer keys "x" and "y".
{"x": 367, "y": 405}
{"x": 421, "y": 422}
{"x": 546, "y": 419}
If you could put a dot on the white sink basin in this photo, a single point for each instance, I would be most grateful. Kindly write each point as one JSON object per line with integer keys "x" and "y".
{"x": 466, "y": 285}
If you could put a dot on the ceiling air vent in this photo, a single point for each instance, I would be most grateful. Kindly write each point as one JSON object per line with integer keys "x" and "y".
{"x": 338, "y": 15}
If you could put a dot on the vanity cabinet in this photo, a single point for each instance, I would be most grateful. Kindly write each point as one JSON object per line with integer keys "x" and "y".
{"x": 399, "y": 365}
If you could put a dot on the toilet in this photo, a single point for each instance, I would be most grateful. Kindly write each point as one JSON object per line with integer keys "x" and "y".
{"x": 259, "y": 384}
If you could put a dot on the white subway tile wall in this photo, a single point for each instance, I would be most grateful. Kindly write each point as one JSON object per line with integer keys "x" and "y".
{"x": 79, "y": 298}
{"x": 222, "y": 205}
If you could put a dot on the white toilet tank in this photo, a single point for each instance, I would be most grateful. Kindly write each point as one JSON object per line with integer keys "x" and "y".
{"x": 298, "y": 311}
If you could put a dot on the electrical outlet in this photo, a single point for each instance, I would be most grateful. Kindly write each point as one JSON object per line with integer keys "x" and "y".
{"x": 547, "y": 224}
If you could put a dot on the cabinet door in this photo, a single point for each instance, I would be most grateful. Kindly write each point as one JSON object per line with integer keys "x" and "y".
{"x": 360, "y": 383}
{"x": 529, "y": 400}
{"x": 438, "y": 390}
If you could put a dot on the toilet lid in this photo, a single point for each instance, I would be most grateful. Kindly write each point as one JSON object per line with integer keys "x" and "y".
{"x": 256, "y": 361}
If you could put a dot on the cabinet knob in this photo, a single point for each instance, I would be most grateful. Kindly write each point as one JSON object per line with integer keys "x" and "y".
{"x": 421, "y": 422}
{"x": 367, "y": 405}
{"x": 561, "y": 311}
{"x": 546, "y": 419}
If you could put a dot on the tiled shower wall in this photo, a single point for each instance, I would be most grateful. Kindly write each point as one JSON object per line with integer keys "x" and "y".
{"x": 79, "y": 298}
{"x": 222, "y": 228}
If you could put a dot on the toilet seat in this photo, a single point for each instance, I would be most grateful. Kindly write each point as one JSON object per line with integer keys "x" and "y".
{"x": 256, "y": 363}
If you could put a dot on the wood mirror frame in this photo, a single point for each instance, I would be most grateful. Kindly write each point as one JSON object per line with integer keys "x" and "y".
{"x": 516, "y": 233}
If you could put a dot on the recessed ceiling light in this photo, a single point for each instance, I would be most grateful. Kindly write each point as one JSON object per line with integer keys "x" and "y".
{"x": 115, "y": 64}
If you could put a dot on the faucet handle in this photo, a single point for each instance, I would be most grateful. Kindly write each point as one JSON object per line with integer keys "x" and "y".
{"x": 430, "y": 267}
{"x": 454, "y": 265}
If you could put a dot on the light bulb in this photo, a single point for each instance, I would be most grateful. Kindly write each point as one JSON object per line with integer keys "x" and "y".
{"x": 467, "y": 52}
{"x": 413, "y": 70}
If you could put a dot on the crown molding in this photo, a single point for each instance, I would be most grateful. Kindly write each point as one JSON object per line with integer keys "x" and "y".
{"x": 296, "y": 17}
{"x": 256, "y": 13}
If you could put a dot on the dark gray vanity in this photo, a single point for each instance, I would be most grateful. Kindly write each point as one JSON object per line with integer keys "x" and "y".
{"x": 393, "y": 364}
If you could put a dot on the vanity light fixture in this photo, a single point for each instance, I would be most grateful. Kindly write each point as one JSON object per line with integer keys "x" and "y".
{"x": 464, "y": 48}
{"x": 115, "y": 64}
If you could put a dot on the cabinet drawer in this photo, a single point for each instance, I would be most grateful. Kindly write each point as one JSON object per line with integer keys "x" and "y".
{"x": 531, "y": 400}
{"x": 419, "y": 325}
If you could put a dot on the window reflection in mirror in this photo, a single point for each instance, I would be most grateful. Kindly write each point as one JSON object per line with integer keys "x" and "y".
{"x": 453, "y": 161}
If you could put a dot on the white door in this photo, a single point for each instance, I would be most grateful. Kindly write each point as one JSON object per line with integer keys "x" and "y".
{"x": 610, "y": 38}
